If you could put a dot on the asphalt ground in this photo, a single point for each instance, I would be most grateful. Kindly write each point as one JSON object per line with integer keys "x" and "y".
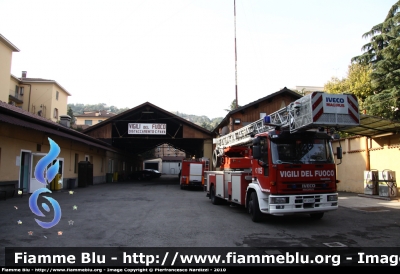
{"x": 106, "y": 215}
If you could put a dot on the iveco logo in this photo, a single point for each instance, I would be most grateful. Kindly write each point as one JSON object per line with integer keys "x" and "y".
{"x": 308, "y": 185}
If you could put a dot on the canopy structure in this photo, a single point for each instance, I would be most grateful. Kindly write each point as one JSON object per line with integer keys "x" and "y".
{"x": 372, "y": 126}
{"x": 147, "y": 126}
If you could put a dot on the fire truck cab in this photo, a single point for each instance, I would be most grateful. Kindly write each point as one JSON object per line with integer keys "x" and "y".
{"x": 283, "y": 163}
{"x": 192, "y": 172}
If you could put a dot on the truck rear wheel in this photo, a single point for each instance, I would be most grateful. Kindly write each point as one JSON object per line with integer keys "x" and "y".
{"x": 317, "y": 216}
{"x": 214, "y": 200}
{"x": 254, "y": 208}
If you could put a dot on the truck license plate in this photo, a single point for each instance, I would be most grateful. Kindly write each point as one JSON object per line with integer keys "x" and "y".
{"x": 308, "y": 200}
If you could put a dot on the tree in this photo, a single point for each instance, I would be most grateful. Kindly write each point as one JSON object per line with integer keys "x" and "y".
{"x": 80, "y": 108}
{"x": 302, "y": 92}
{"x": 382, "y": 53}
{"x": 207, "y": 126}
{"x": 335, "y": 86}
{"x": 71, "y": 114}
{"x": 357, "y": 82}
{"x": 232, "y": 106}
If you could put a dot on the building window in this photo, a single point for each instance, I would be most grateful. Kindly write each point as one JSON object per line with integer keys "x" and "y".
{"x": 16, "y": 91}
{"x": 55, "y": 113}
{"x": 100, "y": 121}
{"x": 57, "y": 95}
{"x": 88, "y": 122}
{"x": 21, "y": 91}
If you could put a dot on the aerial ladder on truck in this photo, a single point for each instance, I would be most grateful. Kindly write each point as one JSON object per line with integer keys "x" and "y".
{"x": 284, "y": 163}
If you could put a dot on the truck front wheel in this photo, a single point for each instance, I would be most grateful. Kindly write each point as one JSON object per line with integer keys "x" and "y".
{"x": 254, "y": 208}
{"x": 214, "y": 200}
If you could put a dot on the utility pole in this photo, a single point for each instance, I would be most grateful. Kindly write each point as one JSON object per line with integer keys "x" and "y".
{"x": 236, "y": 87}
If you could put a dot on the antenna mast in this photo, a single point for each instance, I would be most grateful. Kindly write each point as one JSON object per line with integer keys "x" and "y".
{"x": 236, "y": 88}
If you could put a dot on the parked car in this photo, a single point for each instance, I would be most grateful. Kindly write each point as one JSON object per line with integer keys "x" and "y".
{"x": 145, "y": 174}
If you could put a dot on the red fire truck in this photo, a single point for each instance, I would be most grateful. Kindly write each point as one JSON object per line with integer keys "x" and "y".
{"x": 284, "y": 163}
{"x": 192, "y": 172}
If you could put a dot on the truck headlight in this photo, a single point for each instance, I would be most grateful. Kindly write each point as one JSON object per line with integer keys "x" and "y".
{"x": 279, "y": 200}
{"x": 332, "y": 198}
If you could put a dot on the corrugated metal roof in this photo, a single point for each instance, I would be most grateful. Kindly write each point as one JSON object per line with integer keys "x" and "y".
{"x": 371, "y": 126}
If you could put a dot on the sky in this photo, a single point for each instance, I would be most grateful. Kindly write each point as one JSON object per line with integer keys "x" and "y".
{"x": 180, "y": 54}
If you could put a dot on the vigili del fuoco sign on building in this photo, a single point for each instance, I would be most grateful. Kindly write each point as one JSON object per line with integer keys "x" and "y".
{"x": 152, "y": 129}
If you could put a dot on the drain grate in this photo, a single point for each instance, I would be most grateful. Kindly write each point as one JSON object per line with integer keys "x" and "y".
{"x": 373, "y": 209}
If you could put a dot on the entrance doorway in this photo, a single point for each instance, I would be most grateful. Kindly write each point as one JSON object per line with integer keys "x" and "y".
{"x": 24, "y": 172}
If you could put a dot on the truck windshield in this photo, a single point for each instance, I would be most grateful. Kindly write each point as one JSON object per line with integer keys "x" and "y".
{"x": 301, "y": 151}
